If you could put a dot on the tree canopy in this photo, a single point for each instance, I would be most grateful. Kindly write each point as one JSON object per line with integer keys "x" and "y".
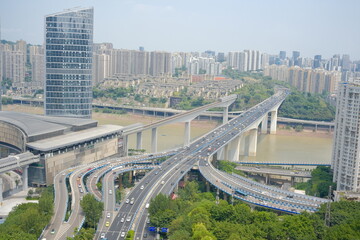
{"x": 195, "y": 216}
{"x": 26, "y": 221}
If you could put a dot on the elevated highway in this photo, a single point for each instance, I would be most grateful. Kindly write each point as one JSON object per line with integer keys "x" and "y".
{"x": 12, "y": 162}
{"x": 165, "y": 181}
{"x": 275, "y": 171}
{"x": 62, "y": 228}
{"x": 225, "y": 140}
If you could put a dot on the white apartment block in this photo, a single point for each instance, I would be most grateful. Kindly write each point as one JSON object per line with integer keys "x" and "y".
{"x": 346, "y": 155}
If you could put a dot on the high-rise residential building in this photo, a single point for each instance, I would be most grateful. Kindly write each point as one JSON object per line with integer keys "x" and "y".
{"x": 295, "y": 58}
{"x": 13, "y": 65}
{"x": 346, "y": 145}
{"x": 68, "y": 41}
{"x": 220, "y": 57}
{"x": 37, "y": 62}
{"x": 160, "y": 63}
{"x": 345, "y": 62}
{"x": 317, "y": 61}
{"x": 282, "y": 55}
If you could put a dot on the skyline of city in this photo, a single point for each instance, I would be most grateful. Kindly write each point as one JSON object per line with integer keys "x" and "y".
{"x": 156, "y": 34}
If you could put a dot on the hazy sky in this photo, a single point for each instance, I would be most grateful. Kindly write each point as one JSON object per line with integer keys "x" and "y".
{"x": 312, "y": 27}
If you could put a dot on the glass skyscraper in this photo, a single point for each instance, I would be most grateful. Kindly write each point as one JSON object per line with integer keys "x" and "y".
{"x": 68, "y": 41}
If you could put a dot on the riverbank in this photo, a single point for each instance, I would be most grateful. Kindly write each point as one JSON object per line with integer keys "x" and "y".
{"x": 283, "y": 131}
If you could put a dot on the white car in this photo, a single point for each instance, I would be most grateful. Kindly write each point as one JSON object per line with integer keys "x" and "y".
{"x": 122, "y": 234}
{"x": 142, "y": 187}
{"x": 128, "y": 219}
{"x": 127, "y": 201}
{"x": 122, "y": 220}
{"x": 102, "y": 236}
{"x": 108, "y": 215}
{"x": 110, "y": 191}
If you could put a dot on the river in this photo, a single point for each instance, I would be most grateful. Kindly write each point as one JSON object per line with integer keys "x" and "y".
{"x": 270, "y": 148}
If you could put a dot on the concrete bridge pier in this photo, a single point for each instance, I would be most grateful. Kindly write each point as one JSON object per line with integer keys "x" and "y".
{"x": 253, "y": 142}
{"x": 154, "y": 139}
{"x": 234, "y": 149}
{"x": 273, "y": 123}
{"x": 242, "y": 144}
{"x": 226, "y": 152}
{"x": 139, "y": 140}
{"x": 126, "y": 144}
{"x": 225, "y": 196}
{"x": 292, "y": 181}
{"x": 130, "y": 176}
{"x": 25, "y": 178}
{"x": 226, "y": 114}
{"x": 207, "y": 185}
{"x": 187, "y": 133}
{"x": 221, "y": 154}
{"x": 267, "y": 178}
{"x": 1, "y": 190}
{"x": 264, "y": 124}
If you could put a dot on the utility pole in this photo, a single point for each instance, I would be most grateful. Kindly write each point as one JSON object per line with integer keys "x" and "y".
{"x": 217, "y": 196}
{"x": 328, "y": 209}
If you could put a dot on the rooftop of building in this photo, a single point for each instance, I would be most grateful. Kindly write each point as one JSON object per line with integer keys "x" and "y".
{"x": 70, "y": 10}
{"x": 37, "y": 127}
{"x": 74, "y": 138}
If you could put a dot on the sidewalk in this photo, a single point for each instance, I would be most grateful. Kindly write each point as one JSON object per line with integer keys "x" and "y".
{"x": 7, "y": 205}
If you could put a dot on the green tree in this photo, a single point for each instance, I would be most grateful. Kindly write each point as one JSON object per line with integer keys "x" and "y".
{"x": 83, "y": 234}
{"x": 130, "y": 235}
{"x": 92, "y": 209}
{"x": 201, "y": 233}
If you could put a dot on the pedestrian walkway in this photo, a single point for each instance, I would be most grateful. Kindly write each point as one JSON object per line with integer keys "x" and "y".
{"x": 9, "y": 203}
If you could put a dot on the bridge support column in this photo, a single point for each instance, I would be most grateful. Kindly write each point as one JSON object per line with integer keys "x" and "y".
{"x": 126, "y": 144}
{"x": 25, "y": 178}
{"x": 130, "y": 176}
{"x": 267, "y": 178}
{"x": 154, "y": 140}
{"x": 226, "y": 152}
{"x": 264, "y": 124}
{"x": 207, "y": 185}
{"x": 221, "y": 154}
{"x": 234, "y": 149}
{"x": 225, "y": 196}
{"x": 292, "y": 181}
{"x": 253, "y": 142}
{"x": 242, "y": 144}
{"x": 139, "y": 140}
{"x": 226, "y": 115}
{"x": 273, "y": 122}
{"x": 187, "y": 133}
{"x": 1, "y": 190}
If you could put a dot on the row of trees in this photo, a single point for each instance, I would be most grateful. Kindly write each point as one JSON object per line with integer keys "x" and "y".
{"x": 26, "y": 221}
{"x": 196, "y": 216}
{"x": 93, "y": 210}
{"x": 306, "y": 106}
{"x": 113, "y": 93}
{"x": 298, "y": 105}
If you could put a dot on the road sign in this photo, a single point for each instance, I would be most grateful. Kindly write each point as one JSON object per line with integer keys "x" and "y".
{"x": 164, "y": 230}
{"x": 152, "y": 229}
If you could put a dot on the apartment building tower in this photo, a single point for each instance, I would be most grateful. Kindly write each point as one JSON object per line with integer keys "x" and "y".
{"x": 346, "y": 145}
